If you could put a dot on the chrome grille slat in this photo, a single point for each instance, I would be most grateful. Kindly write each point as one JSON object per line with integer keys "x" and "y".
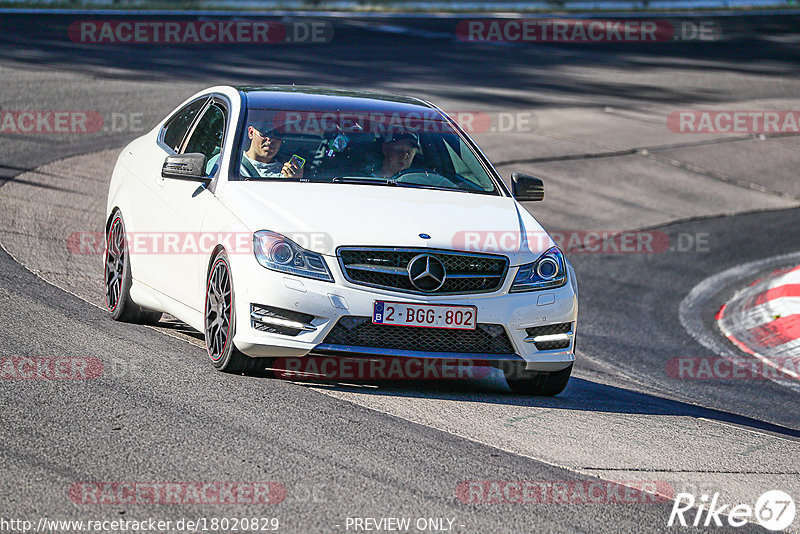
{"x": 480, "y": 275}
{"x": 387, "y": 268}
{"x": 399, "y": 271}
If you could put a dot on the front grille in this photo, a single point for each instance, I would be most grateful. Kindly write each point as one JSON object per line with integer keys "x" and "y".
{"x": 560, "y": 328}
{"x": 388, "y": 269}
{"x": 278, "y": 313}
{"x": 357, "y": 331}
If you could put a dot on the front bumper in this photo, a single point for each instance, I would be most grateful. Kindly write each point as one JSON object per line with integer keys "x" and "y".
{"x": 325, "y": 303}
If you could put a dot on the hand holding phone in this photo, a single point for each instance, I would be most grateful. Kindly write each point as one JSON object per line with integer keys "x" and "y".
{"x": 294, "y": 167}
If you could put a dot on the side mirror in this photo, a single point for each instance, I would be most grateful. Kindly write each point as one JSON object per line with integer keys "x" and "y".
{"x": 527, "y": 188}
{"x": 191, "y": 167}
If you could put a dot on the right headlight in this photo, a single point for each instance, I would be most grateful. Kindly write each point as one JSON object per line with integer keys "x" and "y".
{"x": 548, "y": 272}
{"x": 279, "y": 253}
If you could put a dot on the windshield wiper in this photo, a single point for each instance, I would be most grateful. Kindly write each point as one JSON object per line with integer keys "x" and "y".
{"x": 392, "y": 183}
{"x": 364, "y": 181}
{"x": 426, "y": 186}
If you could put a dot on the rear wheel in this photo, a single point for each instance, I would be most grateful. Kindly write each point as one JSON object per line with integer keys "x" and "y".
{"x": 220, "y": 320}
{"x": 117, "y": 276}
{"x": 536, "y": 382}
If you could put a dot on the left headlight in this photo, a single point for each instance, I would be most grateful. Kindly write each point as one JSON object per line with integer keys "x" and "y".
{"x": 279, "y": 253}
{"x": 548, "y": 272}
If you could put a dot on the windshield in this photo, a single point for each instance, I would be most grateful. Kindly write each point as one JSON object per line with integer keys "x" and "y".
{"x": 361, "y": 148}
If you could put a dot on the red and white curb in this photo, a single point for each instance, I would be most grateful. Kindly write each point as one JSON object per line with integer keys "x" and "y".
{"x": 750, "y": 314}
{"x": 763, "y": 319}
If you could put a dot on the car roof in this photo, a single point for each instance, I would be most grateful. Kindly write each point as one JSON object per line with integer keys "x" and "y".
{"x": 302, "y": 98}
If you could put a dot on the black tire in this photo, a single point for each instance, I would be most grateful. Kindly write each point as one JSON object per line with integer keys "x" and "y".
{"x": 536, "y": 382}
{"x": 219, "y": 320}
{"x": 117, "y": 277}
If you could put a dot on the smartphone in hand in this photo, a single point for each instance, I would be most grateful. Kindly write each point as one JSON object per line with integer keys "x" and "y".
{"x": 298, "y": 161}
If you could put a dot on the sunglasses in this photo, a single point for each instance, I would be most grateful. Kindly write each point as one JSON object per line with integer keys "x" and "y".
{"x": 270, "y": 135}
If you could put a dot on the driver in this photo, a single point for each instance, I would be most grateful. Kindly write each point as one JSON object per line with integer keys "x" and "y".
{"x": 259, "y": 161}
{"x": 398, "y": 154}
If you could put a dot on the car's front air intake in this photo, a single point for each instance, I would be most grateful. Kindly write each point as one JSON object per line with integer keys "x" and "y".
{"x": 423, "y": 271}
{"x": 279, "y": 321}
{"x": 357, "y": 331}
{"x": 551, "y": 336}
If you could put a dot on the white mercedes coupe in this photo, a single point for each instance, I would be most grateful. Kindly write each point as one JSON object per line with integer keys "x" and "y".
{"x": 292, "y": 222}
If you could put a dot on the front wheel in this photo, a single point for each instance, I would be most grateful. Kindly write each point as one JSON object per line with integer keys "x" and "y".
{"x": 220, "y": 320}
{"x": 539, "y": 383}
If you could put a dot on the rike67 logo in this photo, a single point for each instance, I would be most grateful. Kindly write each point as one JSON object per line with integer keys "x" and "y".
{"x": 774, "y": 510}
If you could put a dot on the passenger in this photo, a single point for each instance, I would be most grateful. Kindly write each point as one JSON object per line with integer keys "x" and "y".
{"x": 398, "y": 154}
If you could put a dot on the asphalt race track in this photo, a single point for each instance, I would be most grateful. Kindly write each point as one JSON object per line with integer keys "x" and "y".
{"x": 591, "y": 119}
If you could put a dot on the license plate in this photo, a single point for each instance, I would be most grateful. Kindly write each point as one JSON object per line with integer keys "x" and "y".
{"x": 425, "y": 315}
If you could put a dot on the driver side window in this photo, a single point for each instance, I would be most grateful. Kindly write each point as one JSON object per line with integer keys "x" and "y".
{"x": 207, "y": 136}
{"x": 175, "y": 130}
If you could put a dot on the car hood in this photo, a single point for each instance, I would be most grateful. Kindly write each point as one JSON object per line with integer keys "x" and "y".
{"x": 323, "y": 217}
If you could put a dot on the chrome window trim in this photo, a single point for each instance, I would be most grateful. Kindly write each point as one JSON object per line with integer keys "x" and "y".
{"x": 225, "y": 103}
{"x": 214, "y": 100}
{"x": 193, "y": 126}
{"x": 160, "y": 140}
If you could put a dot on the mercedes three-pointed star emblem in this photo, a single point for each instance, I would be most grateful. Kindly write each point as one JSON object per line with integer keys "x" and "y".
{"x": 426, "y": 272}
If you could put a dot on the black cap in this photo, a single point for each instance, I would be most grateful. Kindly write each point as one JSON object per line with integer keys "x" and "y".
{"x": 404, "y": 136}
{"x": 268, "y": 129}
